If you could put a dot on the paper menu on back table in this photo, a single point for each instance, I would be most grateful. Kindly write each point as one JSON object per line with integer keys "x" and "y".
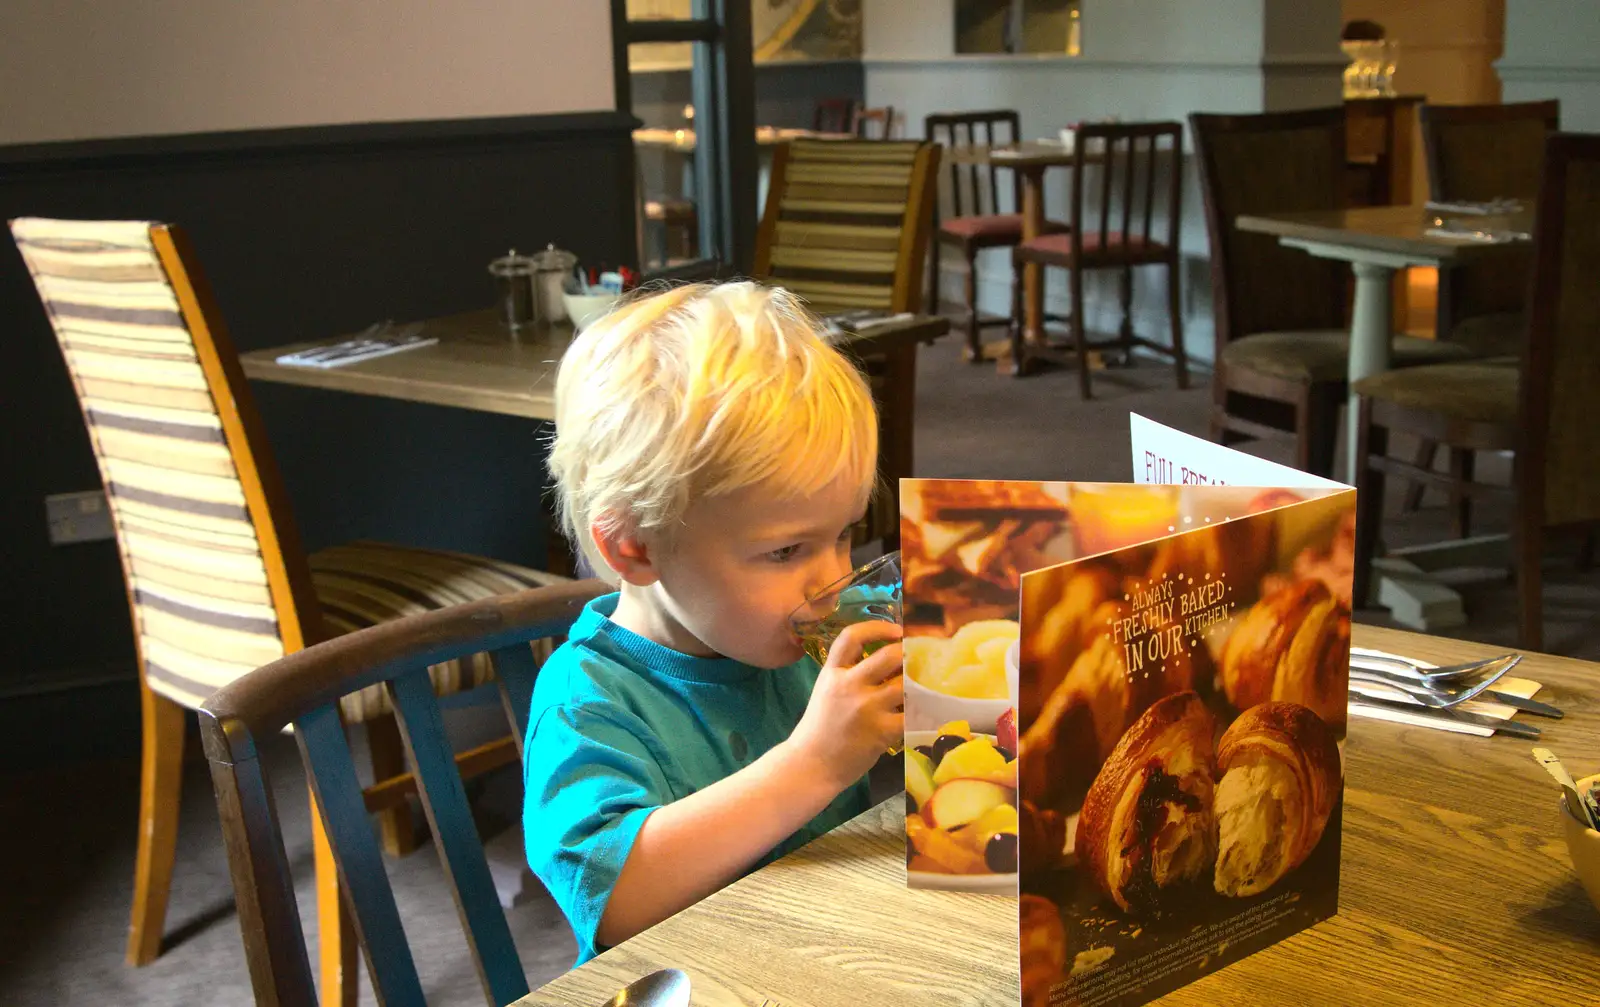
{"x": 1126, "y": 701}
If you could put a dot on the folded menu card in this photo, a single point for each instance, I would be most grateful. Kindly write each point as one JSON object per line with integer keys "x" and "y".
{"x": 1126, "y": 703}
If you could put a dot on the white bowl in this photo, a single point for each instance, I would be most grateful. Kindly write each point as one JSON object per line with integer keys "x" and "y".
{"x": 926, "y": 709}
{"x": 583, "y": 309}
{"x": 988, "y": 884}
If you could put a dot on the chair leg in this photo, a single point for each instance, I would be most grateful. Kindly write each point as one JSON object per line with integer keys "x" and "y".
{"x": 337, "y": 948}
{"x": 1461, "y": 464}
{"x": 160, "y": 792}
{"x": 1126, "y": 292}
{"x": 1017, "y": 321}
{"x": 397, "y": 828}
{"x": 1426, "y": 450}
{"x": 1079, "y": 337}
{"x": 1371, "y": 441}
{"x": 969, "y": 286}
{"x": 1180, "y": 356}
{"x": 1529, "y": 545}
{"x": 1322, "y": 431}
{"x": 931, "y": 306}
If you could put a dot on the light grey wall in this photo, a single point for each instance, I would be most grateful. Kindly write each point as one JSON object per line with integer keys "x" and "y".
{"x": 1552, "y": 50}
{"x": 80, "y": 69}
{"x": 1142, "y": 60}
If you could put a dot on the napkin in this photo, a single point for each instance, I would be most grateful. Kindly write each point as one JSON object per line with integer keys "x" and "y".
{"x": 1510, "y": 685}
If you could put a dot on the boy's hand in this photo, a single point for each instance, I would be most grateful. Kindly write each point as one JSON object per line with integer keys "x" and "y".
{"x": 857, "y": 709}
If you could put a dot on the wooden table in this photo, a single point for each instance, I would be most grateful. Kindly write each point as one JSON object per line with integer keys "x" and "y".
{"x": 479, "y": 364}
{"x": 1376, "y": 241}
{"x": 1456, "y": 886}
{"x": 1030, "y": 159}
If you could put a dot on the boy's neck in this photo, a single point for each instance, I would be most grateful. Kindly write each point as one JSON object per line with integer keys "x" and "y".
{"x": 639, "y": 611}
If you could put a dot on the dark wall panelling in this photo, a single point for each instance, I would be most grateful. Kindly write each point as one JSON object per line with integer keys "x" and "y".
{"x": 304, "y": 233}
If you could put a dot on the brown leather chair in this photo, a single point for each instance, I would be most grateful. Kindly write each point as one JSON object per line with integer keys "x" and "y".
{"x": 1477, "y": 153}
{"x": 1282, "y": 338}
{"x": 1537, "y": 404}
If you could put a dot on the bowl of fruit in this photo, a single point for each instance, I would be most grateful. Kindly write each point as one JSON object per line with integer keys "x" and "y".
{"x": 961, "y": 808}
{"x": 959, "y": 677}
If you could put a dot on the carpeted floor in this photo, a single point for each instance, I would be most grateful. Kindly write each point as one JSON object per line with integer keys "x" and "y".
{"x": 66, "y": 850}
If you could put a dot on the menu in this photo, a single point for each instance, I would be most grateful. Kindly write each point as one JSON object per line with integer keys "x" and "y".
{"x": 1126, "y": 704}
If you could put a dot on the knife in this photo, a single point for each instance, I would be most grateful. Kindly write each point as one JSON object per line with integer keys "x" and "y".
{"x": 1524, "y": 704}
{"x": 1409, "y": 684}
{"x": 1511, "y": 727}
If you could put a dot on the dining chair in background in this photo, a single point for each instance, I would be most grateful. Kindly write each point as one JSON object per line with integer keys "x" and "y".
{"x": 874, "y": 123}
{"x": 1281, "y": 356}
{"x": 1537, "y": 404}
{"x": 976, "y": 220}
{"x": 1477, "y": 153}
{"x": 835, "y": 115}
{"x": 1112, "y": 227}
{"x": 217, "y": 582}
{"x": 846, "y": 227}
{"x": 306, "y": 690}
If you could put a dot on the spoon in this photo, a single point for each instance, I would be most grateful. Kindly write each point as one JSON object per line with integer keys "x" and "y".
{"x": 1575, "y": 801}
{"x": 665, "y": 988}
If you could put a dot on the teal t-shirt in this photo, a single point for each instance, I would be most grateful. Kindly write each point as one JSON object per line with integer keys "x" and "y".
{"x": 620, "y": 726}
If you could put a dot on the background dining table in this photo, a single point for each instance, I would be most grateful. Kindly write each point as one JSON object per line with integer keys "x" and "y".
{"x": 1455, "y": 886}
{"x": 479, "y": 364}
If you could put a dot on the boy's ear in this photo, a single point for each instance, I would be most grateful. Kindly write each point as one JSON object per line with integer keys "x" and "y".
{"x": 626, "y": 553}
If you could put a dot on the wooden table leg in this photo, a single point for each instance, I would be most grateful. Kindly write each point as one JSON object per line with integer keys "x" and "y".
{"x": 1032, "y": 321}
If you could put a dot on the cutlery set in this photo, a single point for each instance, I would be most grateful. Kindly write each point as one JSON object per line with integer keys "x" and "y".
{"x": 1438, "y": 693}
{"x": 378, "y": 340}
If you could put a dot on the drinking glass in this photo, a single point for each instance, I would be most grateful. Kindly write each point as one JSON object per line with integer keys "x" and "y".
{"x": 870, "y": 592}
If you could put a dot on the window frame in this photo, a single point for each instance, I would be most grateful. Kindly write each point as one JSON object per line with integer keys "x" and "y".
{"x": 723, "y": 89}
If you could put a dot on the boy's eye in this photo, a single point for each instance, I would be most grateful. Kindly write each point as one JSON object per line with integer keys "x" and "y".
{"x": 784, "y": 554}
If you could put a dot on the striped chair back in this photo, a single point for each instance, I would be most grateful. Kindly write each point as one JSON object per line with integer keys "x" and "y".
{"x": 216, "y": 582}
{"x": 847, "y": 222}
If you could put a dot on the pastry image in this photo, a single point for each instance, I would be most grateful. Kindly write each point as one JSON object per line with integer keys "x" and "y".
{"x": 1147, "y": 822}
{"x": 1334, "y": 563}
{"x": 1242, "y": 549}
{"x": 1093, "y": 705}
{"x": 1043, "y": 836}
{"x": 1280, "y": 778}
{"x": 1044, "y": 949}
{"x": 1292, "y": 645}
{"x": 1067, "y": 628}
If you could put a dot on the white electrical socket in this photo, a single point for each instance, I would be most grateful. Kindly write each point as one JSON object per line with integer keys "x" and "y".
{"x": 78, "y": 517}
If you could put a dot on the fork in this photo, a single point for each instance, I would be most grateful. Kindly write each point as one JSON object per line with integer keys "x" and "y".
{"x": 1428, "y": 693}
{"x": 1436, "y": 677}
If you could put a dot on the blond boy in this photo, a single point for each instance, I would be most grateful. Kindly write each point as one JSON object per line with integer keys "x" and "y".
{"x": 711, "y": 455}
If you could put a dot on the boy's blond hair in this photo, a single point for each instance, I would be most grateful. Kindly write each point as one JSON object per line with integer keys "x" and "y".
{"x": 702, "y": 390}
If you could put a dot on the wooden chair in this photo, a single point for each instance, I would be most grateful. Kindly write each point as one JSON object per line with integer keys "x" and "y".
{"x": 835, "y": 115}
{"x": 976, "y": 220}
{"x": 305, "y": 690}
{"x": 864, "y": 118}
{"x": 1128, "y": 159}
{"x": 217, "y": 582}
{"x": 1478, "y": 153}
{"x": 1539, "y": 409}
{"x": 1282, "y": 345}
{"x": 846, "y": 227}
